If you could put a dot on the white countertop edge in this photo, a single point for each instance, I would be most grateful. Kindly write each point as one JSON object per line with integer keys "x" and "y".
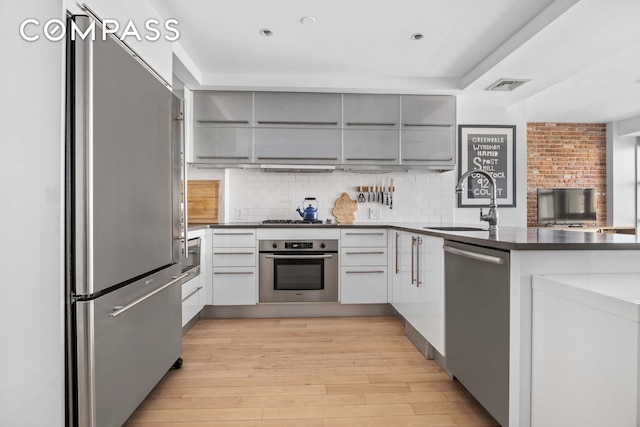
{"x": 614, "y": 293}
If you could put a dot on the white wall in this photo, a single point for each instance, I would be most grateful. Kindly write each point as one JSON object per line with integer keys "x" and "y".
{"x": 31, "y": 320}
{"x": 509, "y": 216}
{"x": 621, "y": 178}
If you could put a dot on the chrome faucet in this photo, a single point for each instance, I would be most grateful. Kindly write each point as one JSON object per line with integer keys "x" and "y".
{"x": 492, "y": 216}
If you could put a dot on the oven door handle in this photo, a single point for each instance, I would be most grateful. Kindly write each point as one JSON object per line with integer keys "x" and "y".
{"x": 298, "y": 256}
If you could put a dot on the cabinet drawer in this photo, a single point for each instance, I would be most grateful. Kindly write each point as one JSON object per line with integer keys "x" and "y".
{"x": 190, "y": 285}
{"x": 363, "y": 285}
{"x": 244, "y": 257}
{"x": 192, "y": 299}
{"x": 234, "y": 238}
{"x": 371, "y": 237}
{"x": 363, "y": 256}
{"x": 235, "y": 286}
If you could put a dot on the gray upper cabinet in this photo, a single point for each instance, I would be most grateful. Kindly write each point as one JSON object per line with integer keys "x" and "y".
{"x": 428, "y": 110}
{"x": 222, "y": 130}
{"x": 298, "y": 146}
{"x": 371, "y": 111}
{"x": 371, "y": 146}
{"x": 275, "y": 109}
{"x": 428, "y": 131}
{"x": 371, "y": 129}
{"x": 232, "y": 109}
{"x": 359, "y": 130}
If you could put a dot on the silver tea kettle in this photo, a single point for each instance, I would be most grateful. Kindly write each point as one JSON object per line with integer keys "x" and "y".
{"x": 310, "y": 213}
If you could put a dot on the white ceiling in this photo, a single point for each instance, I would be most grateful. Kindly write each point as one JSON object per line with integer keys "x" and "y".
{"x": 582, "y": 56}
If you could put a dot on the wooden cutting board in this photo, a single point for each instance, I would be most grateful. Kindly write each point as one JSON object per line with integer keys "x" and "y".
{"x": 203, "y": 202}
{"x": 345, "y": 209}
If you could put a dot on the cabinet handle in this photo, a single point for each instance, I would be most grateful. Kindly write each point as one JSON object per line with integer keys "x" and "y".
{"x": 230, "y": 122}
{"x": 427, "y": 160}
{"x": 272, "y": 122}
{"x": 233, "y": 234}
{"x": 298, "y": 256}
{"x": 365, "y": 253}
{"x": 121, "y": 309}
{"x": 372, "y": 159}
{"x": 423, "y": 125}
{"x": 363, "y": 234}
{"x": 233, "y": 272}
{"x": 234, "y": 253}
{"x": 190, "y": 294}
{"x": 413, "y": 270}
{"x": 370, "y": 124}
{"x": 365, "y": 272}
{"x": 418, "y": 244}
{"x": 224, "y": 157}
{"x": 397, "y": 267}
{"x": 297, "y": 158}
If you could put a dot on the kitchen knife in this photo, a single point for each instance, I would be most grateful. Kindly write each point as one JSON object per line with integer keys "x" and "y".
{"x": 386, "y": 191}
{"x": 391, "y": 195}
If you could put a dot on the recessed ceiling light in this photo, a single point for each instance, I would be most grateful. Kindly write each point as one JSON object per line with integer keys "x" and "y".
{"x": 308, "y": 20}
{"x": 417, "y": 36}
{"x": 266, "y": 32}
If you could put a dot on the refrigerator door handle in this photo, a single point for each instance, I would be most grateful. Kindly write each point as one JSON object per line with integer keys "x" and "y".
{"x": 118, "y": 310}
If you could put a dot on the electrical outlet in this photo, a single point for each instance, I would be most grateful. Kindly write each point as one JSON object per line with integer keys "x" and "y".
{"x": 239, "y": 213}
{"x": 374, "y": 213}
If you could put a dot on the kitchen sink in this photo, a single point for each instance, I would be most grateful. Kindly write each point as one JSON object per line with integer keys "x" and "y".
{"x": 455, "y": 228}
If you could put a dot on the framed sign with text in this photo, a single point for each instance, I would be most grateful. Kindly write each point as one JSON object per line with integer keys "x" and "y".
{"x": 492, "y": 149}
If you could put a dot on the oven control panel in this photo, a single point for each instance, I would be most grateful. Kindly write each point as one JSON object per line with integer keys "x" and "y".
{"x": 270, "y": 246}
{"x": 298, "y": 245}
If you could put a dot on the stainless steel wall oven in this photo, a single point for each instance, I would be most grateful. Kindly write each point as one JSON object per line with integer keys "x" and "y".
{"x": 191, "y": 264}
{"x": 298, "y": 271}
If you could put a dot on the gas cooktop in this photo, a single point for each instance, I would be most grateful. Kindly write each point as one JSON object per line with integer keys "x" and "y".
{"x": 294, "y": 221}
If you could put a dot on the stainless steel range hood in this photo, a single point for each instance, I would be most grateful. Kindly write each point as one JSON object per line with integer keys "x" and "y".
{"x": 298, "y": 168}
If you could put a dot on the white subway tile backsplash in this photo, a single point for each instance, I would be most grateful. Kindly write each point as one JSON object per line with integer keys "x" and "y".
{"x": 419, "y": 195}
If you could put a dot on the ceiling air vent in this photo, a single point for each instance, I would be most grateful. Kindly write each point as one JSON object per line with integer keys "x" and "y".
{"x": 506, "y": 85}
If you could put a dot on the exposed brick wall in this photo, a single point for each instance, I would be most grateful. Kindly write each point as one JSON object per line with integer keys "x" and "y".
{"x": 565, "y": 155}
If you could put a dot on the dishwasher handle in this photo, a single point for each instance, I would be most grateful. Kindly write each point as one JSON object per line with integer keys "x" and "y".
{"x": 475, "y": 256}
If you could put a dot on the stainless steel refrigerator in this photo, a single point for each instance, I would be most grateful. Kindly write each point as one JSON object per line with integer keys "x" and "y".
{"x": 123, "y": 232}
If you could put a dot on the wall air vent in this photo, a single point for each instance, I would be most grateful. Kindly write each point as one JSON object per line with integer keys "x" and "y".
{"x": 505, "y": 85}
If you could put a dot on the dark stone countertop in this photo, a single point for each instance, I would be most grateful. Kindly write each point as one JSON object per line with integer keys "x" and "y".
{"x": 507, "y": 238}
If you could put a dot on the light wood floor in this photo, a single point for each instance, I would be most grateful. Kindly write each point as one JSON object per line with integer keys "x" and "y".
{"x": 311, "y": 372}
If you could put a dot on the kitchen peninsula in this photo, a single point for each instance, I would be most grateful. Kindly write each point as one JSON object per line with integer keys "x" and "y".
{"x": 529, "y": 251}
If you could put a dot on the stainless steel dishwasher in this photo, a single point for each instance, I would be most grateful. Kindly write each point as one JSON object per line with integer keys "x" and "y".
{"x": 477, "y": 323}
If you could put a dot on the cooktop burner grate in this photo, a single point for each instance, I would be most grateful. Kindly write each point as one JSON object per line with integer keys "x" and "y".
{"x": 291, "y": 221}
